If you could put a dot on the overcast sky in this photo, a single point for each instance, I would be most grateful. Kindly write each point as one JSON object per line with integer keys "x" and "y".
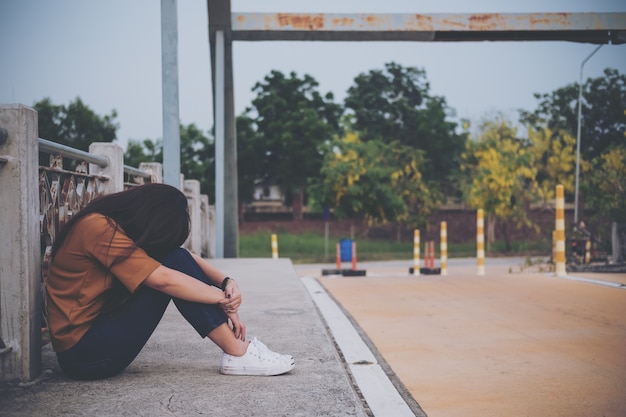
{"x": 108, "y": 53}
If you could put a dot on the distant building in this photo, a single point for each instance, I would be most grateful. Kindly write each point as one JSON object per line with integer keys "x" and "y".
{"x": 267, "y": 198}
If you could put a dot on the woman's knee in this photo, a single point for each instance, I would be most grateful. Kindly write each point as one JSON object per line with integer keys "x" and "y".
{"x": 178, "y": 258}
{"x": 178, "y": 255}
{"x": 181, "y": 260}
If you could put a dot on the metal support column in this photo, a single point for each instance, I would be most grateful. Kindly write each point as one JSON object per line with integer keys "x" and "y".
{"x": 224, "y": 112}
{"x": 219, "y": 144}
{"x": 169, "y": 63}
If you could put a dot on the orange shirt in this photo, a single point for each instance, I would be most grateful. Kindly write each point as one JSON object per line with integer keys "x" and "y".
{"x": 78, "y": 279}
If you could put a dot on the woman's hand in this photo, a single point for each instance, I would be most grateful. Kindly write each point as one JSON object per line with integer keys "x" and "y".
{"x": 237, "y": 325}
{"x": 216, "y": 277}
{"x": 233, "y": 297}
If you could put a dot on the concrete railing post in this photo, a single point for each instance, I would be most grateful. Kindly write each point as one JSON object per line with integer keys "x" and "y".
{"x": 205, "y": 221}
{"x": 155, "y": 169}
{"x": 192, "y": 191}
{"x": 212, "y": 234}
{"x": 115, "y": 169}
{"x": 20, "y": 252}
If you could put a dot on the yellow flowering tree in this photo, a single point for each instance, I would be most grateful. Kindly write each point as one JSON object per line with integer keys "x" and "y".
{"x": 554, "y": 156}
{"x": 501, "y": 177}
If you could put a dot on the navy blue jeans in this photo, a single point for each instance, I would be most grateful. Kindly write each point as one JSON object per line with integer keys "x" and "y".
{"x": 114, "y": 340}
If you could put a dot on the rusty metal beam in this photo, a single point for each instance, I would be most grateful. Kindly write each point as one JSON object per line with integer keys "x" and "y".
{"x": 577, "y": 27}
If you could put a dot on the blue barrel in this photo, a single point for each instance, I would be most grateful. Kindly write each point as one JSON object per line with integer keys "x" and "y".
{"x": 345, "y": 248}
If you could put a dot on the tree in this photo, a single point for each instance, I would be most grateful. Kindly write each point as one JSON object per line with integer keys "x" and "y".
{"x": 294, "y": 121}
{"x": 603, "y": 119}
{"x": 373, "y": 180}
{"x": 395, "y": 105}
{"x": 197, "y": 155}
{"x": 420, "y": 197}
{"x": 197, "y": 158}
{"x": 144, "y": 151}
{"x": 554, "y": 154}
{"x": 355, "y": 181}
{"x": 605, "y": 188}
{"x": 74, "y": 125}
{"x": 250, "y": 149}
{"x": 502, "y": 177}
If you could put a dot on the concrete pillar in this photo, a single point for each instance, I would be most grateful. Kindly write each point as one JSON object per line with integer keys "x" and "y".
{"x": 155, "y": 169}
{"x": 480, "y": 241}
{"x": 212, "y": 246}
{"x": 192, "y": 191}
{"x": 559, "y": 260}
{"x": 114, "y": 170}
{"x": 205, "y": 221}
{"x": 444, "y": 248}
{"x": 416, "y": 252}
{"x": 20, "y": 252}
{"x": 274, "y": 246}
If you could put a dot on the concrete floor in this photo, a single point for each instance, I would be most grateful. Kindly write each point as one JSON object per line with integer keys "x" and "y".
{"x": 511, "y": 343}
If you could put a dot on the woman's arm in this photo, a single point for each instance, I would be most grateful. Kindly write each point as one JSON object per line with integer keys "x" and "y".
{"x": 213, "y": 274}
{"x": 232, "y": 292}
{"x": 179, "y": 285}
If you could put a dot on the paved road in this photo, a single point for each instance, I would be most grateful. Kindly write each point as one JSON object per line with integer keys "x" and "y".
{"x": 516, "y": 342}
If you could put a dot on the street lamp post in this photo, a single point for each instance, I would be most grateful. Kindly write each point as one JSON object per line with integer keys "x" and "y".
{"x": 580, "y": 104}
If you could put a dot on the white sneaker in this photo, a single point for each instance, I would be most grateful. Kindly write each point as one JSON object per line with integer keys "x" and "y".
{"x": 265, "y": 350}
{"x": 258, "y": 360}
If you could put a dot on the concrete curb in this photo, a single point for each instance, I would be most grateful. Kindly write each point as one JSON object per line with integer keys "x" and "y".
{"x": 380, "y": 394}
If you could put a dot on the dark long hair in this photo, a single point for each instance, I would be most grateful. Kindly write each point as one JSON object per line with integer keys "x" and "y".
{"x": 154, "y": 216}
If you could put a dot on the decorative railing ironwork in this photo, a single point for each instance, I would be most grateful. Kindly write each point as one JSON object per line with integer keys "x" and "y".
{"x": 134, "y": 177}
{"x": 62, "y": 193}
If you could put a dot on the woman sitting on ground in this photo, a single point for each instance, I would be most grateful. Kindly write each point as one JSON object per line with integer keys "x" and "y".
{"x": 115, "y": 267}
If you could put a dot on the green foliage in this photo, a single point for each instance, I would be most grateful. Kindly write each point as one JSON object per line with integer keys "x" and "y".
{"x": 294, "y": 121}
{"x": 250, "y": 148}
{"x": 553, "y": 130}
{"x": 74, "y": 125}
{"x": 603, "y": 118}
{"x": 554, "y": 156}
{"x": 605, "y": 188}
{"x": 145, "y": 151}
{"x": 394, "y": 105}
{"x": 386, "y": 103}
{"x": 502, "y": 175}
{"x": 376, "y": 181}
{"x": 197, "y": 156}
{"x": 356, "y": 181}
